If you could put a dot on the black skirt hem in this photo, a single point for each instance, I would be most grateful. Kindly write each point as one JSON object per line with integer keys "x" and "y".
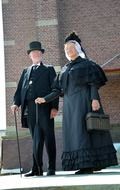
{"x": 96, "y": 159}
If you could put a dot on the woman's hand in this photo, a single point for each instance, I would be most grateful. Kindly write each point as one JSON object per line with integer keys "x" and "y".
{"x": 95, "y": 105}
{"x": 39, "y": 100}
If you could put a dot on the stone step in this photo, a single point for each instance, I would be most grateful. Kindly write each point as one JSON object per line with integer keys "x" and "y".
{"x": 103, "y": 180}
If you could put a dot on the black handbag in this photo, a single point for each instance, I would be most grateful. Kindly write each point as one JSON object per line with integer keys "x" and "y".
{"x": 97, "y": 121}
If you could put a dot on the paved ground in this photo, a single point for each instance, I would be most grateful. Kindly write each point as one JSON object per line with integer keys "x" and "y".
{"x": 106, "y": 179}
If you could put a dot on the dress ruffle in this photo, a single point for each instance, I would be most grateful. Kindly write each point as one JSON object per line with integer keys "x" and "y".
{"x": 86, "y": 158}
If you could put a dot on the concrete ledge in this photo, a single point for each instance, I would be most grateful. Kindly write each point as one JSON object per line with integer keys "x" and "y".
{"x": 104, "y": 180}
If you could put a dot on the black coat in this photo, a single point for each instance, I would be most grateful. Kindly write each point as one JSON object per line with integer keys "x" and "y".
{"x": 44, "y": 78}
{"x": 79, "y": 81}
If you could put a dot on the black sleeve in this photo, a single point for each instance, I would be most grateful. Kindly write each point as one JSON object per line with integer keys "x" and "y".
{"x": 56, "y": 91}
{"x": 96, "y": 74}
{"x": 94, "y": 95}
{"x": 52, "y": 96}
{"x": 55, "y": 100}
{"x": 17, "y": 95}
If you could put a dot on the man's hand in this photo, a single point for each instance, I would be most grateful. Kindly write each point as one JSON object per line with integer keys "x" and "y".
{"x": 53, "y": 113}
{"x": 95, "y": 105}
{"x": 39, "y": 100}
{"x": 14, "y": 108}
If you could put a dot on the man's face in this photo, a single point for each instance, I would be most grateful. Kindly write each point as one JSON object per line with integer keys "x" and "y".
{"x": 35, "y": 56}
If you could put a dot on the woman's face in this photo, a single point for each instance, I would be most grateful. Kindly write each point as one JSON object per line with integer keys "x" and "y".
{"x": 70, "y": 50}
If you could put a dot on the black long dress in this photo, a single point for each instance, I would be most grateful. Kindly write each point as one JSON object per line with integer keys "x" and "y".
{"x": 79, "y": 81}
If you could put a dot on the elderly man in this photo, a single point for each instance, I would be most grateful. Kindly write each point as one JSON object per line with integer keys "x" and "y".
{"x": 35, "y": 81}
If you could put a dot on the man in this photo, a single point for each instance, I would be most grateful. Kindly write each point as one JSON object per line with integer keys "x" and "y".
{"x": 36, "y": 81}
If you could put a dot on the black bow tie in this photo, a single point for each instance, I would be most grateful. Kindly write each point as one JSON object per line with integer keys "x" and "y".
{"x": 35, "y": 67}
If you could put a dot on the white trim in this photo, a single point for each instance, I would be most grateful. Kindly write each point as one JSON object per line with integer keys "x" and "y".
{"x": 9, "y": 42}
{"x": 5, "y": 1}
{"x": 49, "y": 22}
{"x": 11, "y": 84}
{"x": 2, "y": 76}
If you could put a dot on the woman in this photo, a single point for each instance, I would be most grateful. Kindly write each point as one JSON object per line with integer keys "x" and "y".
{"x": 79, "y": 81}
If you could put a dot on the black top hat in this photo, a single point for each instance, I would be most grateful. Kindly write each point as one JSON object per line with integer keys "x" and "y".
{"x": 73, "y": 36}
{"x": 35, "y": 45}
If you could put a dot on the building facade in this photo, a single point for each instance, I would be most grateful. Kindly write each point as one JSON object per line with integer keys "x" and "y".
{"x": 97, "y": 22}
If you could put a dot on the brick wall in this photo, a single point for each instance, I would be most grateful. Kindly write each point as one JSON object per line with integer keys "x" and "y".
{"x": 25, "y": 22}
{"x": 97, "y": 23}
{"x": 110, "y": 95}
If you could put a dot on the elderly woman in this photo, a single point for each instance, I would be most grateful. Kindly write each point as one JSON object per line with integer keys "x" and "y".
{"x": 79, "y": 82}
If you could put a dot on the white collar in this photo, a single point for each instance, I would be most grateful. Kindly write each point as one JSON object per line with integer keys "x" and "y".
{"x": 38, "y": 64}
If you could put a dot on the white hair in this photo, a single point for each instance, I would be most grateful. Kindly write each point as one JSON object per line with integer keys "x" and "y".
{"x": 78, "y": 48}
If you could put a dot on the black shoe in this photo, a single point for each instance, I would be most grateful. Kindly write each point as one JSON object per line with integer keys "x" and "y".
{"x": 51, "y": 172}
{"x": 84, "y": 171}
{"x": 33, "y": 173}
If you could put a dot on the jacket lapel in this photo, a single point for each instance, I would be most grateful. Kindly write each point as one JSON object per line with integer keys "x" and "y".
{"x": 28, "y": 72}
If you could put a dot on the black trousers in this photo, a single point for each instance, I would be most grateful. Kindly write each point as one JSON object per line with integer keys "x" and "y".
{"x": 42, "y": 134}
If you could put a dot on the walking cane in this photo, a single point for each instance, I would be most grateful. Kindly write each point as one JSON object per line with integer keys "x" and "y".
{"x": 36, "y": 140}
{"x": 17, "y": 138}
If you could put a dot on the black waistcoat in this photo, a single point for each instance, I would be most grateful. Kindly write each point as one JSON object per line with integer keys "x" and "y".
{"x": 31, "y": 92}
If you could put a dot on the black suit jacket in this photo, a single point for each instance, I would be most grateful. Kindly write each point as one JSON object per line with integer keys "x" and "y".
{"x": 43, "y": 82}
